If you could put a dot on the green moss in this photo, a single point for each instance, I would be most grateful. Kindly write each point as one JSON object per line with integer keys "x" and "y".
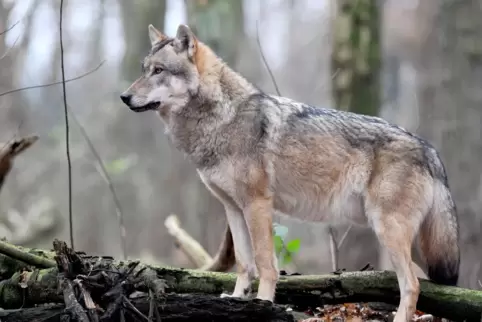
{"x": 186, "y": 280}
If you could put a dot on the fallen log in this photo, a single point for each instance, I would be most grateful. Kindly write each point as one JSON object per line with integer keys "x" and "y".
{"x": 301, "y": 292}
{"x": 174, "y": 308}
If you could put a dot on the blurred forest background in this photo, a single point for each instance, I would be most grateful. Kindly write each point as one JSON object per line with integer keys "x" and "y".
{"x": 415, "y": 63}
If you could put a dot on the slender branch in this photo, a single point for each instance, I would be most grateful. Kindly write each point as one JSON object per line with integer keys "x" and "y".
{"x": 53, "y": 83}
{"x": 336, "y": 245}
{"x": 28, "y": 258}
{"x": 105, "y": 174}
{"x": 342, "y": 239}
{"x": 9, "y": 28}
{"x": 264, "y": 60}
{"x": 333, "y": 249}
{"x": 131, "y": 306}
{"x": 9, "y": 48}
{"x": 67, "y": 138}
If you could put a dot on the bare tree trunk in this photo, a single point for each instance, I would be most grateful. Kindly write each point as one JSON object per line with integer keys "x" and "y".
{"x": 136, "y": 16}
{"x": 450, "y": 80}
{"x": 219, "y": 24}
{"x": 356, "y": 56}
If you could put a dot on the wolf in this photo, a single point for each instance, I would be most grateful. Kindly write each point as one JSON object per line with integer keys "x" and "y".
{"x": 259, "y": 153}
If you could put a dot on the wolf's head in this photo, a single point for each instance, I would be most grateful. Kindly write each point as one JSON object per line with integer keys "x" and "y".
{"x": 170, "y": 74}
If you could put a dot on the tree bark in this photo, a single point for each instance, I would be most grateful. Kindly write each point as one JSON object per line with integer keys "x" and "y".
{"x": 356, "y": 56}
{"x": 136, "y": 16}
{"x": 300, "y": 292}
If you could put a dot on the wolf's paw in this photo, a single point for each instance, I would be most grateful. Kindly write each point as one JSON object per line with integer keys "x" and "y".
{"x": 237, "y": 296}
{"x": 265, "y": 298}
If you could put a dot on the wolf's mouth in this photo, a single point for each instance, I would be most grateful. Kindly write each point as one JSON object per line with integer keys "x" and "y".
{"x": 148, "y": 107}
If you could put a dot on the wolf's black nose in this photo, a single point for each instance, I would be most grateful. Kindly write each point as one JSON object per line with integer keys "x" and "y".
{"x": 126, "y": 98}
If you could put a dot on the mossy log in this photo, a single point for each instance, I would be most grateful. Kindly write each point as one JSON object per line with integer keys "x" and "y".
{"x": 301, "y": 292}
{"x": 27, "y": 288}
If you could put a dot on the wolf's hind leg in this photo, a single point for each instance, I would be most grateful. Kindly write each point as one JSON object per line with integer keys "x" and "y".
{"x": 396, "y": 231}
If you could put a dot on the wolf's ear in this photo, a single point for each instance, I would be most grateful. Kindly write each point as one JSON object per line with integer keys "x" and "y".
{"x": 155, "y": 35}
{"x": 186, "y": 40}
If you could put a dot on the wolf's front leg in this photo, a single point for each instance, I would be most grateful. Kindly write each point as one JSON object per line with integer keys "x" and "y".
{"x": 246, "y": 267}
{"x": 259, "y": 217}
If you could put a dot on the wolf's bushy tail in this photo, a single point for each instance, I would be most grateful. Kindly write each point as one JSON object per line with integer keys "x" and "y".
{"x": 225, "y": 258}
{"x": 439, "y": 236}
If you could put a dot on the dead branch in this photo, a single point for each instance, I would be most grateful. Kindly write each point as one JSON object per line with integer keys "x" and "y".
{"x": 336, "y": 245}
{"x": 9, "y": 151}
{"x": 9, "y": 48}
{"x": 265, "y": 61}
{"x": 67, "y": 130}
{"x": 196, "y": 253}
{"x": 9, "y": 28}
{"x": 54, "y": 83}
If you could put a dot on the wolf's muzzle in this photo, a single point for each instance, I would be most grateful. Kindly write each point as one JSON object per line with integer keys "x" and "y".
{"x": 126, "y": 98}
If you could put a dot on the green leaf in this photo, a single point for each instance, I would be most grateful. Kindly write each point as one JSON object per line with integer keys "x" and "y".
{"x": 293, "y": 246}
{"x": 278, "y": 245}
{"x": 287, "y": 258}
{"x": 280, "y": 230}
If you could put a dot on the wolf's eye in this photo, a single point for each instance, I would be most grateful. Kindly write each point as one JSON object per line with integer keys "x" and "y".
{"x": 157, "y": 70}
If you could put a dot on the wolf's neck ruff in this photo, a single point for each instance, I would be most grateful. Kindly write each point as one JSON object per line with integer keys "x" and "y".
{"x": 201, "y": 128}
{"x": 219, "y": 83}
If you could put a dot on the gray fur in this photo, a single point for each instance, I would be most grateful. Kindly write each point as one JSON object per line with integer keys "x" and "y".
{"x": 259, "y": 153}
